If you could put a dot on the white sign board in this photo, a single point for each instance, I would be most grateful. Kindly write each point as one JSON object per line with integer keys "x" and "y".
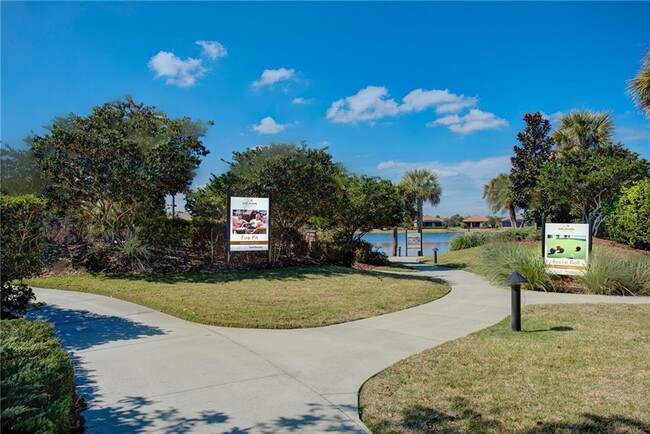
{"x": 566, "y": 248}
{"x": 413, "y": 241}
{"x": 249, "y": 218}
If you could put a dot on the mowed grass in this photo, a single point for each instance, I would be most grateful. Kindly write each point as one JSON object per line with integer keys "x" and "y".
{"x": 280, "y": 298}
{"x": 573, "y": 369}
{"x": 466, "y": 259}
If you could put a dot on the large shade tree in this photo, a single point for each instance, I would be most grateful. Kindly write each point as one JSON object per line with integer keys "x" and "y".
{"x": 583, "y": 129}
{"x": 498, "y": 194}
{"x": 421, "y": 185}
{"x": 639, "y": 87}
{"x": 117, "y": 163}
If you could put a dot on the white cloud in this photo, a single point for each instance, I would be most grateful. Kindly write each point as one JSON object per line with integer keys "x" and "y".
{"x": 462, "y": 182}
{"x": 301, "y": 100}
{"x": 272, "y": 76}
{"x": 367, "y": 104}
{"x": 444, "y": 101}
{"x": 268, "y": 126}
{"x": 475, "y": 120}
{"x": 212, "y": 49}
{"x": 373, "y": 102}
{"x": 176, "y": 71}
{"x": 627, "y": 134}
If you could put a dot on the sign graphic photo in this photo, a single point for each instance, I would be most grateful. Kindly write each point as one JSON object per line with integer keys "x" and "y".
{"x": 249, "y": 229}
{"x": 566, "y": 248}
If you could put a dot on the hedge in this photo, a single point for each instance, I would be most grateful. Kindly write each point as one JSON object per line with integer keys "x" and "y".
{"x": 37, "y": 384}
{"x": 23, "y": 243}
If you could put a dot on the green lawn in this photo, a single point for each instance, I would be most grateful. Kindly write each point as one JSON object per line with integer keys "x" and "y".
{"x": 573, "y": 368}
{"x": 466, "y": 259}
{"x": 280, "y": 298}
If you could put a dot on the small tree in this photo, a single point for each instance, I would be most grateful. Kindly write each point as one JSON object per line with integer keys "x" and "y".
{"x": 527, "y": 162}
{"x": 498, "y": 193}
{"x": 22, "y": 243}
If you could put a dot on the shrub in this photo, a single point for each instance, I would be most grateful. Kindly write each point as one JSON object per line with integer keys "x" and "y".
{"x": 23, "y": 243}
{"x": 499, "y": 260}
{"x": 333, "y": 247}
{"x": 134, "y": 253}
{"x": 37, "y": 379}
{"x": 163, "y": 232}
{"x": 522, "y": 234}
{"x": 630, "y": 223}
{"x": 467, "y": 241}
{"x": 366, "y": 254}
{"x": 616, "y": 274}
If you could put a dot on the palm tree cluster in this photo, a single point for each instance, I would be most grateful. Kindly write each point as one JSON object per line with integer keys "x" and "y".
{"x": 498, "y": 193}
{"x": 582, "y": 129}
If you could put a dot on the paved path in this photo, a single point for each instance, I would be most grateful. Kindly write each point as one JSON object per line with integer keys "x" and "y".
{"x": 141, "y": 370}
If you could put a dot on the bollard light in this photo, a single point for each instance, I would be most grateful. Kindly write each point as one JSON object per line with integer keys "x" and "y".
{"x": 516, "y": 280}
{"x": 435, "y": 255}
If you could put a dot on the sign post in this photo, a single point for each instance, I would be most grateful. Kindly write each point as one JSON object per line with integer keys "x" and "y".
{"x": 566, "y": 247}
{"x": 249, "y": 225}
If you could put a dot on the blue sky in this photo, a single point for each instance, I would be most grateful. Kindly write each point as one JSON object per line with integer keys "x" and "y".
{"x": 386, "y": 86}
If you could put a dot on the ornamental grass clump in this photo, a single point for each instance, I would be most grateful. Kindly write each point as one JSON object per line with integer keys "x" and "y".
{"x": 467, "y": 241}
{"x": 499, "y": 260}
{"x": 617, "y": 274}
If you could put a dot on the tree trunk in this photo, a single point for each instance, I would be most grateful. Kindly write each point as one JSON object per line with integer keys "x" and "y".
{"x": 513, "y": 217}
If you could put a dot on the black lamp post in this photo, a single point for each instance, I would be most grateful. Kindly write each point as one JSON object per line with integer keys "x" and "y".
{"x": 516, "y": 280}
{"x": 435, "y": 255}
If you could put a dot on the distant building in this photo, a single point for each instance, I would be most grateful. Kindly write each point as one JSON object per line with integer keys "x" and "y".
{"x": 432, "y": 222}
{"x": 475, "y": 221}
{"x": 505, "y": 222}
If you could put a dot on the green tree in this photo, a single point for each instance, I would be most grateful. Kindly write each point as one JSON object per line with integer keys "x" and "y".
{"x": 586, "y": 184}
{"x": 423, "y": 186}
{"x": 19, "y": 173}
{"x": 370, "y": 203}
{"x": 498, "y": 193}
{"x": 118, "y": 163}
{"x": 630, "y": 222}
{"x": 639, "y": 87}
{"x": 454, "y": 221}
{"x": 527, "y": 161}
{"x": 582, "y": 129}
{"x": 23, "y": 242}
{"x": 209, "y": 201}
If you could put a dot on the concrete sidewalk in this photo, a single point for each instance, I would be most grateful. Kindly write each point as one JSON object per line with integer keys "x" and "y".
{"x": 141, "y": 370}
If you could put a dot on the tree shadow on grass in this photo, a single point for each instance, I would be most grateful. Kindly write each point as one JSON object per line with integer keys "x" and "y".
{"x": 467, "y": 419}
{"x": 592, "y": 423}
{"x": 300, "y": 273}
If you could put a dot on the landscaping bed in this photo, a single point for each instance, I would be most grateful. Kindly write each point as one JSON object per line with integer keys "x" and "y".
{"x": 292, "y": 297}
{"x": 612, "y": 271}
{"x": 573, "y": 368}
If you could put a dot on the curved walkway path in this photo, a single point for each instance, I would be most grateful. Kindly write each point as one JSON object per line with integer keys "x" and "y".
{"x": 141, "y": 370}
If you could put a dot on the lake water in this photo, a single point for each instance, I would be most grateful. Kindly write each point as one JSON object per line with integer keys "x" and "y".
{"x": 384, "y": 242}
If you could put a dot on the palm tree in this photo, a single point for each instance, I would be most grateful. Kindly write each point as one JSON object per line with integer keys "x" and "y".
{"x": 639, "y": 87}
{"x": 423, "y": 186}
{"x": 583, "y": 129}
{"x": 498, "y": 193}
